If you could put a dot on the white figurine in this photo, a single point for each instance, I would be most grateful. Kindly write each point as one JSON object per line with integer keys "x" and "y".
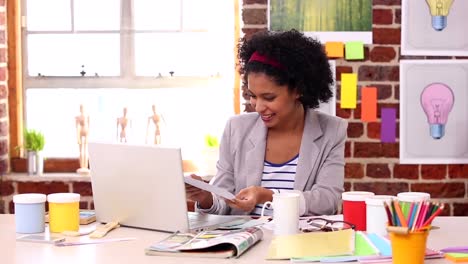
{"x": 156, "y": 119}
{"x": 82, "y": 131}
{"x": 122, "y": 123}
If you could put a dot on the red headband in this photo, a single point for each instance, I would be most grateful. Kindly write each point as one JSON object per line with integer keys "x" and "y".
{"x": 266, "y": 60}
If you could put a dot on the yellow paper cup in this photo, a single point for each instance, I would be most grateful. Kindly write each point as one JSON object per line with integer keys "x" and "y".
{"x": 64, "y": 212}
{"x": 408, "y": 248}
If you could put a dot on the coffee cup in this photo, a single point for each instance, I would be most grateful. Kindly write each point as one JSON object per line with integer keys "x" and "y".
{"x": 64, "y": 212}
{"x": 376, "y": 217}
{"x": 29, "y": 212}
{"x": 354, "y": 208}
{"x": 407, "y": 198}
{"x": 285, "y": 212}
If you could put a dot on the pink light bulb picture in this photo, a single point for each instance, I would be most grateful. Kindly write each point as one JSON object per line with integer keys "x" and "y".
{"x": 437, "y": 100}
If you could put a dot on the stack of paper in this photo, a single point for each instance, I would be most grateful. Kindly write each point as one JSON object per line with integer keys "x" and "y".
{"x": 315, "y": 244}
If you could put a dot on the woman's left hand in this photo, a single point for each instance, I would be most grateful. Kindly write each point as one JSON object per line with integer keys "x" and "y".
{"x": 247, "y": 198}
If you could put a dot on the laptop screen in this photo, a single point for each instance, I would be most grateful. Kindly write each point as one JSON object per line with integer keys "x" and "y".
{"x": 138, "y": 185}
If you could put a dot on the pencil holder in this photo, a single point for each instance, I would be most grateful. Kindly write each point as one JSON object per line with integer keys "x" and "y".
{"x": 408, "y": 248}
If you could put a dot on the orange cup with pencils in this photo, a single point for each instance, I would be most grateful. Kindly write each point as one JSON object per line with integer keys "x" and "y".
{"x": 409, "y": 248}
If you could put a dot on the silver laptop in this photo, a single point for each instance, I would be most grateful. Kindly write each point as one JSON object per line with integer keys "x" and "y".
{"x": 143, "y": 186}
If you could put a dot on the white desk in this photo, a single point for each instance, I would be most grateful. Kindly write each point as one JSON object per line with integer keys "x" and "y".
{"x": 452, "y": 232}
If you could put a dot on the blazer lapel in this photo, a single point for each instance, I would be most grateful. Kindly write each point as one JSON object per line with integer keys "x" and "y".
{"x": 309, "y": 151}
{"x": 255, "y": 154}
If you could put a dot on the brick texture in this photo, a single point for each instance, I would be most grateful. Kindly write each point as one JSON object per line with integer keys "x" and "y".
{"x": 441, "y": 190}
{"x": 378, "y": 170}
{"x": 354, "y": 170}
{"x": 382, "y": 16}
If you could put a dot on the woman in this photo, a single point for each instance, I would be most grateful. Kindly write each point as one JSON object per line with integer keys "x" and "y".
{"x": 286, "y": 145}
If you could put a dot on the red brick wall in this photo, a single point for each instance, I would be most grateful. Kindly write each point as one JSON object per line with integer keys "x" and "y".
{"x": 370, "y": 164}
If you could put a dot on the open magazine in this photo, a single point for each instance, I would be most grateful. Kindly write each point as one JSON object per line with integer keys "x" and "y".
{"x": 210, "y": 244}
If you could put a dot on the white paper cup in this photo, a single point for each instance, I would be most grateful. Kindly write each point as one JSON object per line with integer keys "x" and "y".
{"x": 376, "y": 217}
{"x": 285, "y": 213}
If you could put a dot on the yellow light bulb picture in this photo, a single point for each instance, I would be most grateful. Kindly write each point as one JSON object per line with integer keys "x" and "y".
{"x": 439, "y": 11}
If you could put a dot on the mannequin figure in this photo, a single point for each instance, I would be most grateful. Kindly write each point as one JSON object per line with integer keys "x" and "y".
{"x": 122, "y": 123}
{"x": 156, "y": 119}
{"x": 82, "y": 132}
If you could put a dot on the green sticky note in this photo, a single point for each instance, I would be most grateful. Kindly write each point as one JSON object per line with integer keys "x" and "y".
{"x": 363, "y": 246}
{"x": 354, "y": 50}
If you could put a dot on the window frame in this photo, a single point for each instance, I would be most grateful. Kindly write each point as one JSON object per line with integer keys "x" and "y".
{"x": 16, "y": 82}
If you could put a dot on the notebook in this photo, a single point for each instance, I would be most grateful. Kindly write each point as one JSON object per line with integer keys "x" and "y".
{"x": 143, "y": 186}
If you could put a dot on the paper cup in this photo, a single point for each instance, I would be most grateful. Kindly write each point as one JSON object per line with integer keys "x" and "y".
{"x": 376, "y": 217}
{"x": 354, "y": 208}
{"x": 64, "y": 212}
{"x": 406, "y": 198}
{"x": 29, "y": 212}
{"x": 285, "y": 213}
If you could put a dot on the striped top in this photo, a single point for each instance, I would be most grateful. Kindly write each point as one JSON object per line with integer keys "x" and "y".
{"x": 277, "y": 177}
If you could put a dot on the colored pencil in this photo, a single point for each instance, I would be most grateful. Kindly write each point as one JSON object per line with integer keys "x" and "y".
{"x": 395, "y": 216}
{"x": 429, "y": 221}
{"x": 399, "y": 213}
{"x": 389, "y": 214}
{"x": 416, "y": 216}
{"x": 411, "y": 214}
{"x": 422, "y": 214}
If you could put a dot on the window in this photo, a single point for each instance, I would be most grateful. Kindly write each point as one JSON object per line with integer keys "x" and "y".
{"x": 108, "y": 55}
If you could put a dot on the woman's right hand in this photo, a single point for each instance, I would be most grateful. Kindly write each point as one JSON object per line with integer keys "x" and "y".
{"x": 204, "y": 198}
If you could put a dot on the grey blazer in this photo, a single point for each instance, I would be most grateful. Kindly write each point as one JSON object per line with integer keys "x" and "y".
{"x": 320, "y": 169}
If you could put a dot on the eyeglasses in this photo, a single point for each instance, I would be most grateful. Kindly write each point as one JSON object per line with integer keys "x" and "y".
{"x": 325, "y": 225}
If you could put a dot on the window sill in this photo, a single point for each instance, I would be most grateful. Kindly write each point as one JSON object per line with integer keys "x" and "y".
{"x": 24, "y": 177}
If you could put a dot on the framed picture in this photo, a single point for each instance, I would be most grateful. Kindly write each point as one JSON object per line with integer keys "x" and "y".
{"x": 331, "y": 20}
{"x": 330, "y": 106}
{"x": 434, "y": 27}
{"x": 433, "y": 111}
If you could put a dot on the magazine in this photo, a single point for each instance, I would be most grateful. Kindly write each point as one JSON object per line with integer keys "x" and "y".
{"x": 209, "y": 244}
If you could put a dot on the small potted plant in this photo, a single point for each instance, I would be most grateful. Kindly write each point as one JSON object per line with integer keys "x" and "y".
{"x": 34, "y": 142}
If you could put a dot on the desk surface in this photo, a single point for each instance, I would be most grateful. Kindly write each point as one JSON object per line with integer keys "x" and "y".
{"x": 452, "y": 232}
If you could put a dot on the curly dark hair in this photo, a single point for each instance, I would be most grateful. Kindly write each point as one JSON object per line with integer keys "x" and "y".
{"x": 306, "y": 67}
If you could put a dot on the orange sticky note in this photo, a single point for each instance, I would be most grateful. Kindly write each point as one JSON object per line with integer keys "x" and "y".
{"x": 334, "y": 49}
{"x": 348, "y": 90}
{"x": 369, "y": 104}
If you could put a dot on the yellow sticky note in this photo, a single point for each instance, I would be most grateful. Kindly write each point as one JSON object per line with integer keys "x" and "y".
{"x": 348, "y": 90}
{"x": 314, "y": 244}
{"x": 354, "y": 50}
{"x": 334, "y": 49}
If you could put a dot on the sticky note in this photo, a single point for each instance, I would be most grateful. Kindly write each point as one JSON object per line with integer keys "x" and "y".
{"x": 334, "y": 49}
{"x": 348, "y": 90}
{"x": 388, "y": 125}
{"x": 354, "y": 50}
{"x": 369, "y": 104}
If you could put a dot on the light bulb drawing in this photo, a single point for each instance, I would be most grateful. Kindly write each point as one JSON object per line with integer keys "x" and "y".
{"x": 439, "y": 11}
{"x": 437, "y": 101}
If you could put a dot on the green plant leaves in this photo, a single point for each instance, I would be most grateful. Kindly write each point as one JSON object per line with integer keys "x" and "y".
{"x": 211, "y": 141}
{"x": 33, "y": 140}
